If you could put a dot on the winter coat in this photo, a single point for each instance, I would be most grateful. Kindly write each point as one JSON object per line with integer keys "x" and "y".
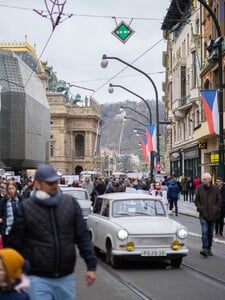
{"x": 3, "y": 212}
{"x": 208, "y": 201}
{"x": 173, "y": 191}
{"x": 13, "y": 295}
{"x": 45, "y": 232}
{"x": 100, "y": 188}
{"x": 184, "y": 185}
{"x": 222, "y": 191}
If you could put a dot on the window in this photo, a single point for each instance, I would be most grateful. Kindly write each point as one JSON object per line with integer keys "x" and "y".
{"x": 183, "y": 81}
{"x": 51, "y": 150}
{"x": 188, "y": 44}
{"x": 79, "y": 145}
{"x": 194, "y": 77}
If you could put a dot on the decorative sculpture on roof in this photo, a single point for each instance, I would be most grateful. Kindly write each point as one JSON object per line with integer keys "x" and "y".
{"x": 52, "y": 78}
{"x": 60, "y": 86}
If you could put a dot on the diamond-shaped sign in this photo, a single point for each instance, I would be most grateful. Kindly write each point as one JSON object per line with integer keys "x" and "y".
{"x": 123, "y": 32}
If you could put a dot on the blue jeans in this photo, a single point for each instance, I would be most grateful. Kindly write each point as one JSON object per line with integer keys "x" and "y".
{"x": 42, "y": 288}
{"x": 207, "y": 233}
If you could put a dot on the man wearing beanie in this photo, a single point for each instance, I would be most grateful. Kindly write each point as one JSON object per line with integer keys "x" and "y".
{"x": 12, "y": 280}
{"x": 45, "y": 231}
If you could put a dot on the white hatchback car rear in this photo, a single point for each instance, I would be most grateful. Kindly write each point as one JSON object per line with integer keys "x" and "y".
{"x": 81, "y": 196}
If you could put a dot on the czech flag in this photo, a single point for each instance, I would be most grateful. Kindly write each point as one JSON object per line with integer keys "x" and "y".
{"x": 145, "y": 148}
{"x": 210, "y": 104}
{"x": 151, "y": 137}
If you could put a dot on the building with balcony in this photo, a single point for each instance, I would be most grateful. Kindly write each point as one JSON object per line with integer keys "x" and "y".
{"x": 182, "y": 60}
{"x": 209, "y": 79}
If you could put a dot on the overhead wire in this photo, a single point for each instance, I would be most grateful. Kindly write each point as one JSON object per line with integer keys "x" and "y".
{"x": 146, "y": 51}
{"x": 56, "y": 22}
{"x": 83, "y": 15}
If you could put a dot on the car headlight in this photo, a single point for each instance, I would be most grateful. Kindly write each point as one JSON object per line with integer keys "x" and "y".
{"x": 182, "y": 233}
{"x": 122, "y": 234}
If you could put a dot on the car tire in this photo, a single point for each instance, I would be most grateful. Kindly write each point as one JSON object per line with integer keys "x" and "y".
{"x": 112, "y": 259}
{"x": 176, "y": 262}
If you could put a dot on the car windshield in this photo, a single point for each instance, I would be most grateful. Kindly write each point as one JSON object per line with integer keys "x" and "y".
{"x": 137, "y": 207}
{"x": 80, "y": 195}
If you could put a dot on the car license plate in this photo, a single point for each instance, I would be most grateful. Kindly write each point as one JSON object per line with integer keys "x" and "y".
{"x": 153, "y": 253}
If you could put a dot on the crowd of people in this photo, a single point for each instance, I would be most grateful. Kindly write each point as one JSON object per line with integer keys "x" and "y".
{"x": 43, "y": 229}
{"x": 38, "y": 222}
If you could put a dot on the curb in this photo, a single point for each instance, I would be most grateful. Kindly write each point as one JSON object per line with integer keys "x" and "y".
{"x": 216, "y": 240}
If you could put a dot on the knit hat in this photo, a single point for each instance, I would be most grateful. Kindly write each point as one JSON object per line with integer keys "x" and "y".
{"x": 13, "y": 263}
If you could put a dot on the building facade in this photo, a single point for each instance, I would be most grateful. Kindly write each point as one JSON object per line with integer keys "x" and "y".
{"x": 209, "y": 78}
{"x": 75, "y": 134}
{"x": 182, "y": 61}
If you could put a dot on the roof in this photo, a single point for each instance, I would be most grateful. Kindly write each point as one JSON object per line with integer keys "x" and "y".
{"x": 127, "y": 196}
{"x": 176, "y": 12}
{"x": 68, "y": 188}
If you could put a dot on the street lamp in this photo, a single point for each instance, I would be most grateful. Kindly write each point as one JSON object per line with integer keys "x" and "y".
{"x": 133, "y": 119}
{"x": 104, "y": 64}
{"x": 139, "y": 130}
{"x": 218, "y": 44}
{"x": 137, "y": 112}
{"x": 111, "y": 90}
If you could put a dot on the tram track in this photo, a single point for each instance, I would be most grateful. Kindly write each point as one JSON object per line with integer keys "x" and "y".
{"x": 220, "y": 283}
{"x": 205, "y": 275}
{"x": 137, "y": 292}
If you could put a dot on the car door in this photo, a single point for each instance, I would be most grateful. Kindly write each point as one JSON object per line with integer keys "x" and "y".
{"x": 101, "y": 223}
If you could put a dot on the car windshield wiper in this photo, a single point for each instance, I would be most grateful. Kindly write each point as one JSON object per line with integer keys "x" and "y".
{"x": 142, "y": 213}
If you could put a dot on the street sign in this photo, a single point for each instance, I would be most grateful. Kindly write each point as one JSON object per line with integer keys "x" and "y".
{"x": 123, "y": 32}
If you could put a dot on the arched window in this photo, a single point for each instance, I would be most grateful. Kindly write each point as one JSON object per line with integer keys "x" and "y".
{"x": 51, "y": 150}
{"x": 79, "y": 145}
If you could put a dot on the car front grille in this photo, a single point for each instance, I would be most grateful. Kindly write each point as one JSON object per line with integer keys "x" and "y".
{"x": 152, "y": 241}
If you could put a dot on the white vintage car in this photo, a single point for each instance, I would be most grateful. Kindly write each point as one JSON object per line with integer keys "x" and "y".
{"x": 136, "y": 226}
{"x": 81, "y": 196}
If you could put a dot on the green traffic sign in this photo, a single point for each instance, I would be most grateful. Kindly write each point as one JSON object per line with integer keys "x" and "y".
{"x": 123, "y": 32}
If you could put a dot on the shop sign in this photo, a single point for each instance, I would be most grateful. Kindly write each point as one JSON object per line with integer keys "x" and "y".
{"x": 191, "y": 153}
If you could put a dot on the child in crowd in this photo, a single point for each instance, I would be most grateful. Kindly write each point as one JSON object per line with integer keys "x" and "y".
{"x": 13, "y": 282}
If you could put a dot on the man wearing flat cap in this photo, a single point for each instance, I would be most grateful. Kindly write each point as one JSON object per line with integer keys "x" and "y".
{"x": 46, "y": 228}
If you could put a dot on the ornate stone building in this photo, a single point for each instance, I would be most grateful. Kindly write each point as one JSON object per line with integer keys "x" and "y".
{"x": 75, "y": 134}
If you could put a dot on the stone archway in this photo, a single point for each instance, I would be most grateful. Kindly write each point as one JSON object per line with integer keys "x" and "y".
{"x": 78, "y": 170}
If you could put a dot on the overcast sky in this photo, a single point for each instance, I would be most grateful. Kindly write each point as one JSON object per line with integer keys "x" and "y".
{"x": 77, "y": 45}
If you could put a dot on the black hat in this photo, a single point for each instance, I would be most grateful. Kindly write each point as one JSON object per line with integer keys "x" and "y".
{"x": 46, "y": 173}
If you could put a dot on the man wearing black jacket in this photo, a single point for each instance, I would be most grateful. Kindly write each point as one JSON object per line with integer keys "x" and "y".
{"x": 220, "y": 221}
{"x": 46, "y": 229}
{"x": 208, "y": 202}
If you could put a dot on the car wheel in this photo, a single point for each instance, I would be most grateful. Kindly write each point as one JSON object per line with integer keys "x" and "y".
{"x": 176, "y": 262}
{"x": 112, "y": 259}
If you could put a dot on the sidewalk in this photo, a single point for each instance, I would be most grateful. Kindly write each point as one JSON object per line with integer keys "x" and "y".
{"x": 189, "y": 209}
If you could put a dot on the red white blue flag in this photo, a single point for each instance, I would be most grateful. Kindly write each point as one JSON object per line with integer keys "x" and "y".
{"x": 151, "y": 137}
{"x": 210, "y": 104}
{"x": 145, "y": 148}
